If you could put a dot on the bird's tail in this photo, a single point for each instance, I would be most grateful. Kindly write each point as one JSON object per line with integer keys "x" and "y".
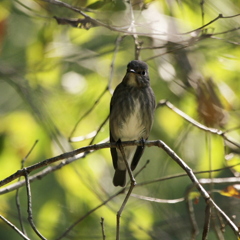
{"x": 119, "y": 178}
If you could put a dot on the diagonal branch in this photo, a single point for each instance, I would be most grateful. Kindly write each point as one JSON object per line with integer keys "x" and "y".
{"x": 14, "y": 228}
{"x": 195, "y": 123}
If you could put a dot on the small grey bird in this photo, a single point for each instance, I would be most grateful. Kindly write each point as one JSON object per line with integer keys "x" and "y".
{"x": 131, "y": 117}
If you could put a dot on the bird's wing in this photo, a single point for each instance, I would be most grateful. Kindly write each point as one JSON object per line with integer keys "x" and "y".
{"x": 137, "y": 156}
{"x": 113, "y": 152}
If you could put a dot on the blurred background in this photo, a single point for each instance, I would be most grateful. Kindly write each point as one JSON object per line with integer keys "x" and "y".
{"x": 58, "y": 69}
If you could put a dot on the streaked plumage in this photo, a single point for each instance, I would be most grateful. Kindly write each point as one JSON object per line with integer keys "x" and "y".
{"x": 131, "y": 116}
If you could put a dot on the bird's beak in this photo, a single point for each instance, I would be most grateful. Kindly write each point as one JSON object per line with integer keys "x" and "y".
{"x": 131, "y": 71}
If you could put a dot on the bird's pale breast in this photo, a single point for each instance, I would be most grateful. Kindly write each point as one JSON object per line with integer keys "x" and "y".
{"x": 132, "y": 128}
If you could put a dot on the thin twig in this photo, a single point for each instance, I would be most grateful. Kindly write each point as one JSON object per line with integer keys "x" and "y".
{"x": 82, "y": 138}
{"x": 29, "y": 208}
{"x": 17, "y": 192}
{"x": 192, "y": 217}
{"x": 30, "y": 151}
{"x": 130, "y": 173}
{"x": 64, "y": 234}
{"x": 132, "y": 28}
{"x": 117, "y": 44}
{"x": 226, "y": 40}
{"x": 202, "y": 10}
{"x": 195, "y": 123}
{"x": 202, "y": 180}
{"x": 87, "y": 113}
{"x": 228, "y": 31}
{"x": 102, "y": 227}
{"x": 218, "y": 226}
{"x": 142, "y": 168}
{"x": 133, "y": 183}
{"x": 210, "y": 22}
{"x": 99, "y": 129}
{"x": 168, "y": 51}
{"x": 150, "y": 199}
{"x": 19, "y": 211}
{"x": 14, "y": 228}
{"x": 206, "y": 222}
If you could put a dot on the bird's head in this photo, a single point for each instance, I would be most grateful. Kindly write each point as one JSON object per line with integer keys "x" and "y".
{"x": 137, "y": 74}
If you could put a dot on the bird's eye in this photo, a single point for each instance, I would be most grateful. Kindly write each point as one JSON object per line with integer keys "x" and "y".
{"x": 143, "y": 73}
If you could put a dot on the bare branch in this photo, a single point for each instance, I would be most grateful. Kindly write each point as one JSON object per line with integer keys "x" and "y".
{"x": 142, "y": 168}
{"x": 29, "y": 209}
{"x": 39, "y": 175}
{"x": 195, "y": 123}
{"x": 192, "y": 217}
{"x": 74, "y": 153}
{"x": 132, "y": 185}
{"x": 17, "y": 192}
{"x": 14, "y": 228}
{"x": 88, "y": 213}
{"x": 209, "y": 23}
{"x": 103, "y": 230}
{"x": 150, "y": 199}
{"x": 206, "y": 222}
{"x": 226, "y": 40}
{"x": 202, "y": 10}
{"x": 99, "y": 129}
{"x": 117, "y": 44}
{"x": 87, "y": 113}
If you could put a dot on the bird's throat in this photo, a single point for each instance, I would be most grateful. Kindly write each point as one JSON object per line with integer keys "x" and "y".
{"x": 131, "y": 80}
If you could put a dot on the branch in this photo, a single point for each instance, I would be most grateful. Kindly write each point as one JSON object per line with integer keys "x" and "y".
{"x": 75, "y": 153}
{"x": 71, "y": 139}
{"x": 195, "y": 123}
{"x": 150, "y": 199}
{"x": 117, "y": 44}
{"x": 88, "y": 213}
{"x": 88, "y": 21}
{"x": 87, "y": 18}
{"x": 156, "y": 143}
{"x": 207, "y": 221}
{"x": 49, "y": 169}
{"x": 29, "y": 207}
{"x": 55, "y": 159}
{"x": 99, "y": 129}
{"x": 17, "y": 192}
{"x": 209, "y": 23}
{"x": 102, "y": 226}
{"x": 132, "y": 185}
{"x": 38, "y": 176}
{"x": 14, "y": 228}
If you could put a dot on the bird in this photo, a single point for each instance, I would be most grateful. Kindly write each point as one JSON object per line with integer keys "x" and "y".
{"x": 132, "y": 108}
